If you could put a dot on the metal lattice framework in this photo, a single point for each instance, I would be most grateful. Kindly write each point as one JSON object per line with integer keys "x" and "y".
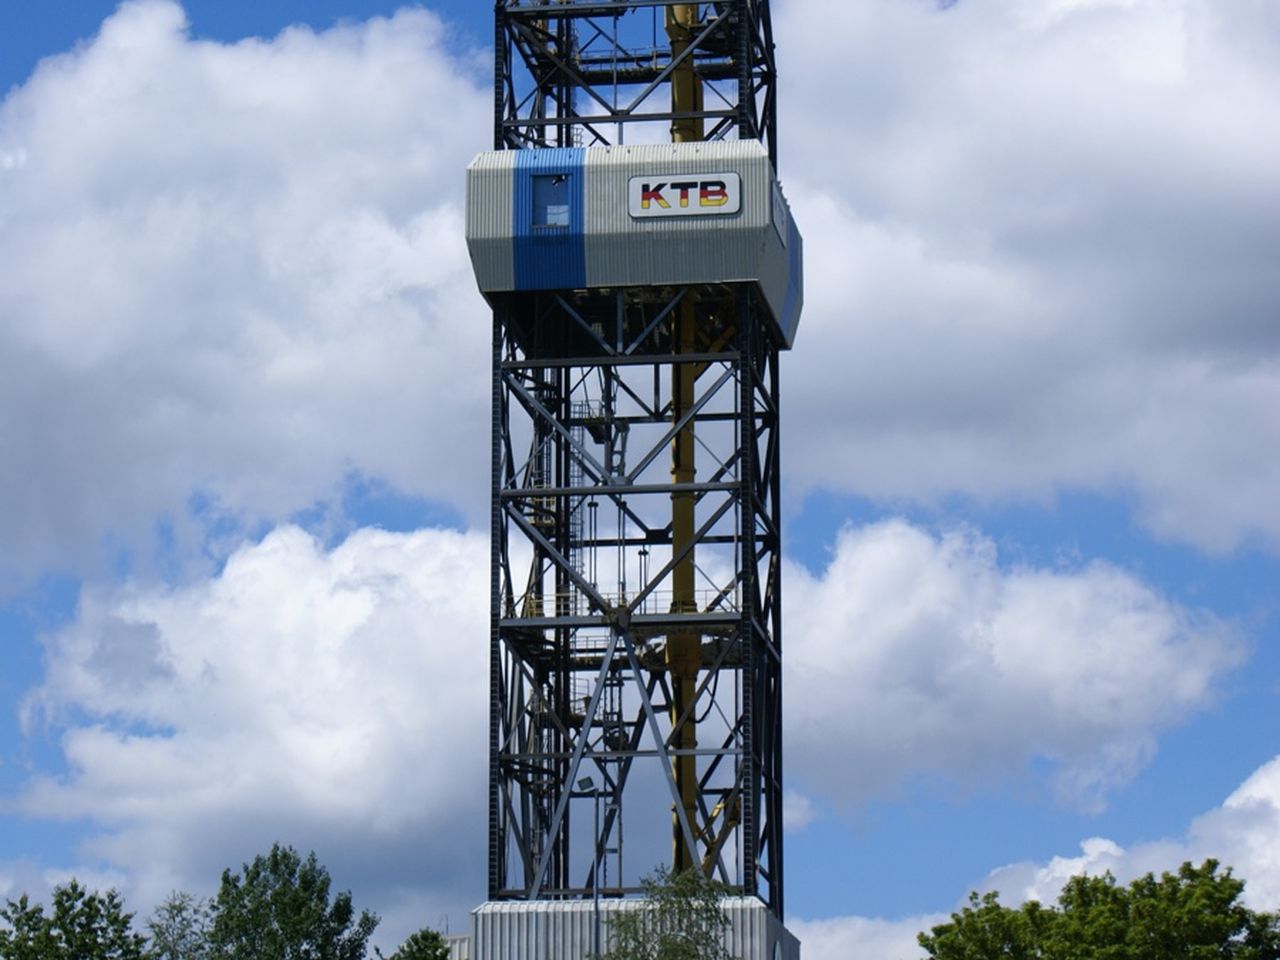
{"x": 592, "y": 736}
{"x": 581, "y": 73}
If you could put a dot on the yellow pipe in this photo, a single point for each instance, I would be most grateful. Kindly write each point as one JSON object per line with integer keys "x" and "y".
{"x": 684, "y": 649}
{"x": 686, "y": 87}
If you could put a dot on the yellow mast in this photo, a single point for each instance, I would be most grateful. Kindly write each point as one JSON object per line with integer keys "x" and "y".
{"x": 684, "y": 649}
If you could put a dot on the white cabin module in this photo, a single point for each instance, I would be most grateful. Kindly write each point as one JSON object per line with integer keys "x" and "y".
{"x": 653, "y": 215}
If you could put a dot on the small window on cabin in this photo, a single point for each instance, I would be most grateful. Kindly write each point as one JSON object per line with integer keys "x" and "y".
{"x": 551, "y": 200}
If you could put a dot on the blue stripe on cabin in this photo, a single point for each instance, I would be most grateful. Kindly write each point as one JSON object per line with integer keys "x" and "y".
{"x": 549, "y": 257}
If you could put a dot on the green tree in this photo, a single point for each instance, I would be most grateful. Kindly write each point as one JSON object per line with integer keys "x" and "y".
{"x": 681, "y": 919}
{"x": 426, "y": 944}
{"x": 985, "y": 929}
{"x": 279, "y": 908}
{"x": 179, "y": 928}
{"x": 1194, "y": 914}
{"x": 29, "y": 936}
{"x": 83, "y": 925}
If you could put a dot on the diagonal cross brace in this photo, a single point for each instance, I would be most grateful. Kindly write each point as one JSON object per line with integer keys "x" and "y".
{"x": 575, "y": 763}
{"x": 674, "y": 65}
{"x": 675, "y": 560}
{"x": 662, "y": 445}
{"x": 532, "y": 403}
{"x": 562, "y": 562}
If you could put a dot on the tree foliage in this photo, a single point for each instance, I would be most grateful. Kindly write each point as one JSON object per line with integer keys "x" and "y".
{"x": 1194, "y": 914}
{"x": 426, "y": 944}
{"x": 179, "y": 928}
{"x": 279, "y": 908}
{"x": 83, "y": 925}
{"x": 681, "y": 919}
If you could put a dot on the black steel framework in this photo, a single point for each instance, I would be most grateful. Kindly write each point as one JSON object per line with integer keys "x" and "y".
{"x": 584, "y": 417}
{"x": 583, "y": 73}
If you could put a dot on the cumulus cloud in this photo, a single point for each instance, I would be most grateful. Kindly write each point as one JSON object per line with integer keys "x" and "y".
{"x": 1243, "y": 833}
{"x": 234, "y": 274}
{"x": 1039, "y": 254}
{"x": 862, "y": 938}
{"x": 797, "y": 810}
{"x": 912, "y": 653}
{"x": 332, "y": 699}
{"x": 37, "y": 882}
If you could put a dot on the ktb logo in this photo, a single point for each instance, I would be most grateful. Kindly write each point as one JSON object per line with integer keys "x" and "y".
{"x": 712, "y": 194}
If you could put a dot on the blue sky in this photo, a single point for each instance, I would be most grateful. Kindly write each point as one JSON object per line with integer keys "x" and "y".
{"x": 1031, "y": 449}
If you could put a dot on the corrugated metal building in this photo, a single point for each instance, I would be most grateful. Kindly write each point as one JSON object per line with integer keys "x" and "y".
{"x": 565, "y": 930}
{"x": 635, "y": 216}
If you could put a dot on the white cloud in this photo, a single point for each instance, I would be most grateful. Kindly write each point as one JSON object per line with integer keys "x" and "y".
{"x": 334, "y": 700}
{"x": 1243, "y": 833}
{"x": 797, "y": 810}
{"x": 1039, "y": 254}
{"x": 232, "y": 275}
{"x": 906, "y": 634}
{"x": 1038, "y": 261}
{"x": 862, "y": 938}
{"x": 23, "y": 876}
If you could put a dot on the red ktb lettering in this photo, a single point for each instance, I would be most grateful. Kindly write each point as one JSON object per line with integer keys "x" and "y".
{"x": 651, "y": 195}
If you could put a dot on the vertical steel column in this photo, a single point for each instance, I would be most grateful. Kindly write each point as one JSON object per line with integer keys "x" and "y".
{"x": 747, "y": 566}
{"x": 497, "y": 550}
{"x": 772, "y": 743}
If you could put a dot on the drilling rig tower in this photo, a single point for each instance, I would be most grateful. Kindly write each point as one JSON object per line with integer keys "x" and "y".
{"x": 631, "y": 235}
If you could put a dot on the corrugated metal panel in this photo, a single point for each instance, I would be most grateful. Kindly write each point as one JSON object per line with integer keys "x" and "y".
{"x": 782, "y": 271}
{"x": 789, "y": 315}
{"x": 490, "y": 230}
{"x": 459, "y": 947}
{"x": 622, "y": 251}
{"x": 563, "y": 931}
{"x": 611, "y": 167}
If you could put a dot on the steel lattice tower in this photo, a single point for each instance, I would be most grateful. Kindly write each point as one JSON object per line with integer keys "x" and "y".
{"x": 636, "y": 621}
